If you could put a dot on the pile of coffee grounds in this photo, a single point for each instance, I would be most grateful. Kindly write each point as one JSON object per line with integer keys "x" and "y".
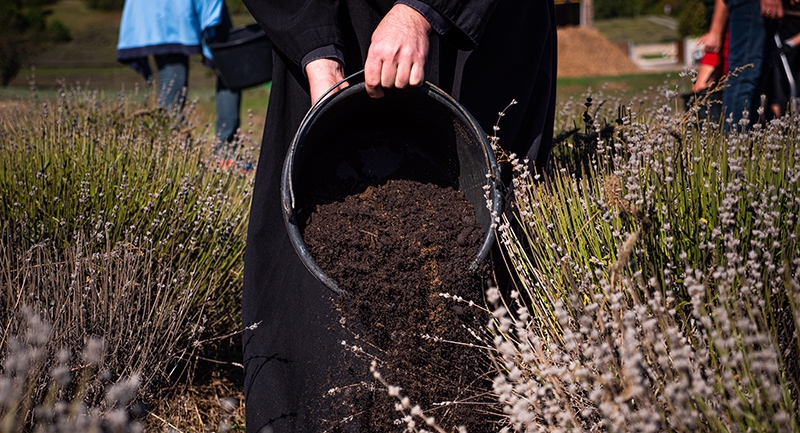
{"x": 394, "y": 249}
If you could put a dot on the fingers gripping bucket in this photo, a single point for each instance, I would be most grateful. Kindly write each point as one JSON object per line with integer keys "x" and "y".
{"x": 416, "y": 134}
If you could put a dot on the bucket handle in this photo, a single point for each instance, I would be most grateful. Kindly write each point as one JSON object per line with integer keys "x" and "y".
{"x": 304, "y": 122}
{"x": 344, "y": 80}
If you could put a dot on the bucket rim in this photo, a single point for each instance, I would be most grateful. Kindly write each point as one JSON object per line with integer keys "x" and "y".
{"x": 253, "y": 36}
{"x": 287, "y": 189}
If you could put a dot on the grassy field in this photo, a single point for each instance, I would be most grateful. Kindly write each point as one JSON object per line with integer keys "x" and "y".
{"x": 89, "y": 61}
{"x": 619, "y": 86}
{"x": 639, "y": 30}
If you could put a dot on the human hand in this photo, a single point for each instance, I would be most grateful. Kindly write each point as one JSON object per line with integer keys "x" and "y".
{"x": 396, "y": 56}
{"x": 772, "y": 9}
{"x": 322, "y": 75}
{"x": 711, "y": 42}
{"x": 706, "y": 76}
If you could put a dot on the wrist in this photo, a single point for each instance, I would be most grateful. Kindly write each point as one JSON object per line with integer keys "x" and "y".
{"x": 438, "y": 23}
{"x": 323, "y": 67}
{"x": 413, "y": 17}
{"x": 330, "y": 52}
{"x": 322, "y": 75}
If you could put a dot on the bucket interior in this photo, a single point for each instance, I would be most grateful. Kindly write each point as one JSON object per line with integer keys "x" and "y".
{"x": 351, "y": 141}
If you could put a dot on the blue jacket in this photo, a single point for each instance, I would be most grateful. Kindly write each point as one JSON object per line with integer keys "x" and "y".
{"x": 154, "y": 27}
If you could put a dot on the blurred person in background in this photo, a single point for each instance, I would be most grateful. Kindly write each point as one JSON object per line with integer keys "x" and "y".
{"x": 786, "y": 47}
{"x": 485, "y": 53}
{"x": 171, "y": 31}
{"x": 750, "y": 23}
{"x": 713, "y": 64}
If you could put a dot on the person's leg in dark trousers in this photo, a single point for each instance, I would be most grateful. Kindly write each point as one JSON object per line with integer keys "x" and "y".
{"x": 228, "y": 105}
{"x": 746, "y": 59}
{"x": 173, "y": 75}
{"x": 228, "y": 101}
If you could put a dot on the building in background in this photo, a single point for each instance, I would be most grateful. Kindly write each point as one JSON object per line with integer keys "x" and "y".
{"x": 574, "y": 13}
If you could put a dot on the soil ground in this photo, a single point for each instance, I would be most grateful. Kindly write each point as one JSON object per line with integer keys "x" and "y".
{"x": 394, "y": 248}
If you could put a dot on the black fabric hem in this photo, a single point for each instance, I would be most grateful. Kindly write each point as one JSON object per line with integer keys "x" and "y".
{"x": 157, "y": 50}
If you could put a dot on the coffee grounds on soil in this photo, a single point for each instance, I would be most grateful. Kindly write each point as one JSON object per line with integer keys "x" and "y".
{"x": 393, "y": 249}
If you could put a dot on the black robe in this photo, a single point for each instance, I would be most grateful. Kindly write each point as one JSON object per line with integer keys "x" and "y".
{"x": 495, "y": 51}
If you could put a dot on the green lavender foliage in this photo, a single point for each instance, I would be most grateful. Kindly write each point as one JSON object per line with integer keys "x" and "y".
{"x": 659, "y": 284}
{"x": 117, "y": 224}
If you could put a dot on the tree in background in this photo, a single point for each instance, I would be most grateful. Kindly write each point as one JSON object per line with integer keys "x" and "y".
{"x": 605, "y": 9}
{"x": 692, "y": 20}
{"x": 105, "y": 5}
{"x": 235, "y": 6}
{"x": 24, "y": 30}
{"x": 692, "y": 15}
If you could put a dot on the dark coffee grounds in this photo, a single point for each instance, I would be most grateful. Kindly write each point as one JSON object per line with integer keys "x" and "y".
{"x": 393, "y": 249}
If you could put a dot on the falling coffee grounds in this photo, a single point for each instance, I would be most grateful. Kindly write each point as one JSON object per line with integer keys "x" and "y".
{"x": 393, "y": 249}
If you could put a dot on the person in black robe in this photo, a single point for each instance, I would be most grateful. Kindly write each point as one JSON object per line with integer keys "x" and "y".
{"x": 483, "y": 52}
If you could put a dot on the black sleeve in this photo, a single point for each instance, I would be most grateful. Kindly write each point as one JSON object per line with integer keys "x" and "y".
{"x": 440, "y": 25}
{"x": 468, "y": 19}
{"x": 297, "y": 27}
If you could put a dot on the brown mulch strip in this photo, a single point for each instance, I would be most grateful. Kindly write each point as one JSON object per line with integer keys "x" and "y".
{"x": 584, "y": 52}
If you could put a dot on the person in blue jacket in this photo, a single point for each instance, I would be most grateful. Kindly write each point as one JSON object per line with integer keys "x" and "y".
{"x": 171, "y": 31}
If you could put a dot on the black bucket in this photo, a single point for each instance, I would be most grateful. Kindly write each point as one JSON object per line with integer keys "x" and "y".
{"x": 244, "y": 59}
{"x": 415, "y": 134}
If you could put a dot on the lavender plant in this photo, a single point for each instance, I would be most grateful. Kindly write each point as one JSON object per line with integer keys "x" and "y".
{"x": 117, "y": 224}
{"x": 67, "y": 406}
{"x": 659, "y": 288}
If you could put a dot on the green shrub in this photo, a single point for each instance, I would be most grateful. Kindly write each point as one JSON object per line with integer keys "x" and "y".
{"x": 118, "y": 225}
{"x": 38, "y": 3}
{"x": 692, "y": 20}
{"x": 659, "y": 281}
{"x": 15, "y": 39}
{"x": 605, "y": 9}
{"x": 23, "y": 33}
{"x": 105, "y": 5}
{"x": 10, "y": 57}
{"x": 58, "y": 31}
